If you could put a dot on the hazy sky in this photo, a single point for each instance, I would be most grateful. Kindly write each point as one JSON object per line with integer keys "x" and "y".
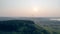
{"x": 30, "y": 8}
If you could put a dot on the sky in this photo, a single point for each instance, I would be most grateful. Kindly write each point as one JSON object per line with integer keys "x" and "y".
{"x": 29, "y": 8}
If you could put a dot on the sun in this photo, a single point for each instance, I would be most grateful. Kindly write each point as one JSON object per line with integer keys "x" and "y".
{"x": 35, "y": 9}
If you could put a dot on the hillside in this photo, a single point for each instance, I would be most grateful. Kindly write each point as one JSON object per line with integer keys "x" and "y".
{"x": 21, "y": 27}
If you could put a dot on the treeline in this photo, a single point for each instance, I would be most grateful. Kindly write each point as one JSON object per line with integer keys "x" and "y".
{"x": 20, "y": 27}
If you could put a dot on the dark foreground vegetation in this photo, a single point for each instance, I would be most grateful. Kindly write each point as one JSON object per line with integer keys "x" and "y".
{"x": 21, "y": 27}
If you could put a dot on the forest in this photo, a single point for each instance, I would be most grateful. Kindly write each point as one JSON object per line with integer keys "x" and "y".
{"x": 22, "y": 27}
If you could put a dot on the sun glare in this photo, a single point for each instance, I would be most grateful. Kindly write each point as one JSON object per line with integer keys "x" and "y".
{"x": 35, "y": 9}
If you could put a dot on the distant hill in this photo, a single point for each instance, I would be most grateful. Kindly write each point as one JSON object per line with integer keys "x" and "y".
{"x": 6, "y": 18}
